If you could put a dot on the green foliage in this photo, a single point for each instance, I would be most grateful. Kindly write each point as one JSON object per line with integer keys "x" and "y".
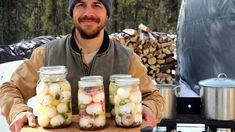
{"x": 23, "y": 19}
{"x": 160, "y": 15}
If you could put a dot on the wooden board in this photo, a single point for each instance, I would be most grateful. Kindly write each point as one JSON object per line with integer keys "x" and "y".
{"x": 74, "y": 127}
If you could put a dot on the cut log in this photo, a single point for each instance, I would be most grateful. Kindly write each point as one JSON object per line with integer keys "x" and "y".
{"x": 144, "y": 28}
{"x": 131, "y": 32}
{"x": 166, "y": 44}
{"x": 152, "y": 61}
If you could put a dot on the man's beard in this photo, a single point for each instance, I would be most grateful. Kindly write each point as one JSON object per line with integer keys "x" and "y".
{"x": 94, "y": 34}
{"x": 85, "y": 35}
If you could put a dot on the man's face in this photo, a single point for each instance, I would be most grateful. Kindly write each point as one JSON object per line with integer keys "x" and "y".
{"x": 89, "y": 18}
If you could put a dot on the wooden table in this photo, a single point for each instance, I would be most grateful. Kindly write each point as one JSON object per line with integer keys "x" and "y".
{"x": 74, "y": 127}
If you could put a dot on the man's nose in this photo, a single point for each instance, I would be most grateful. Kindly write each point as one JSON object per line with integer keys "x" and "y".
{"x": 89, "y": 11}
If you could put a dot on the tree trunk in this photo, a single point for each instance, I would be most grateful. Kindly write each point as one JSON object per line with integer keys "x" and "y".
{"x": 115, "y": 13}
{"x": 54, "y": 16}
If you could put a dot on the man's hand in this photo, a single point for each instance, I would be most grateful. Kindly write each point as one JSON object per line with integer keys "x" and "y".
{"x": 148, "y": 116}
{"x": 21, "y": 119}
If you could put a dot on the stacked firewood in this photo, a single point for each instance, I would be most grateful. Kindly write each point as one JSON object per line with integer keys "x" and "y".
{"x": 156, "y": 49}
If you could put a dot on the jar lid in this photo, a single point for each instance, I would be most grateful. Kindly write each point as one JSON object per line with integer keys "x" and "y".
{"x": 89, "y": 83}
{"x": 119, "y": 76}
{"x": 221, "y": 81}
{"x": 127, "y": 81}
{"x": 53, "y": 70}
{"x": 84, "y": 78}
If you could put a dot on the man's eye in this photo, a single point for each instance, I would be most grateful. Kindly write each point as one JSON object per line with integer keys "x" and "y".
{"x": 97, "y": 5}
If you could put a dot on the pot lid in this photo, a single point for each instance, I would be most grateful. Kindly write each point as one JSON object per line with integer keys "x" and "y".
{"x": 220, "y": 81}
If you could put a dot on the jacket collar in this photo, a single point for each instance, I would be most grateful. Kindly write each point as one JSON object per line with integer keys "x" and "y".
{"x": 102, "y": 49}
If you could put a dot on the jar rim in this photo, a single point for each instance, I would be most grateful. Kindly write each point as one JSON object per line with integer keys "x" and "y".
{"x": 89, "y": 83}
{"x": 93, "y": 77}
{"x": 127, "y": 81}
{"x": 53, "y": 70}
{"x": 119, "y": 76}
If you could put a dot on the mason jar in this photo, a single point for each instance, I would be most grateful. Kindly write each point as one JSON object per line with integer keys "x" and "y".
{"x": 127, "y": 103}
{"x": 113, "y": 89}
{"x": 91, "y": 102}
{"x": 53, "y": 95}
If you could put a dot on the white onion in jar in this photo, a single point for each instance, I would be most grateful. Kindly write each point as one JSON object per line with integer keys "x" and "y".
{"x": 116, "y": 99}
{"x": 94, "y": 109}
{"x": 54, "y": 88}
{"x": 86, "y": 122}
{"x": 83, "y": 98}
{"x": 99, "y": 121}
{"x": 43, "y": 121}
{"x": 57, "y": 120}
{"x": 42, "y": 88}
{"x": 126, "y": 108}
{"x": 45, "y": 100}
{"x": 65, "y": 96}
{"x": 50, "y": 111}
{"x": 69, "y": 118}
{"x": 98, "y": 97}
{"x": 40, "y": 110}
{"x": 118, "y": 120}
{"x": 65, "y": 86}
{"x": 127, "y": 119}
{"x": 62, "y": 108}
{"x": 123, "y": 93}
{"x": 137, "y": 108}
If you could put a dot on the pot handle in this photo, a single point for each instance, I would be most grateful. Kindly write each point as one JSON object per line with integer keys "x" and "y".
{"x": 197, "y": 87}
{"x": 177, "y": 90}
{"x": 222, "y": 75}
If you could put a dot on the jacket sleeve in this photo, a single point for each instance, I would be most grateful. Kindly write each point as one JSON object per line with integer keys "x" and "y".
{"x": 150, "y": 94}
{"x": 22, "y": 86}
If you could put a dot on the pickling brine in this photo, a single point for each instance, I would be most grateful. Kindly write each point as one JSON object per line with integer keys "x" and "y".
{"x": 113, "y": 89}
{"x": 91, "y": 102}
{"x": 53, "y": 95}
{"x": 127, "y": 103}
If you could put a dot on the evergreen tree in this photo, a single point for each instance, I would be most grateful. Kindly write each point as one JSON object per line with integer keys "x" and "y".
{"x": 23, "y": 19}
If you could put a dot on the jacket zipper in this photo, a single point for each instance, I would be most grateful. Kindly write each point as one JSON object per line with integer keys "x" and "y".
{"x": 84, "y": 68}
{"x": 82, "y": 65}
{"x": 91, "y": 66}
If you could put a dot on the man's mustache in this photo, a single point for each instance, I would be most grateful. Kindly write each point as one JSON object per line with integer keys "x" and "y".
{"x": 86, "y": 18}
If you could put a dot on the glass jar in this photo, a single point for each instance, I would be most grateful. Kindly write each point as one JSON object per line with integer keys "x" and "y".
{"x": 127, "y": 103}
{"x": 53, "y": 94}
{"x": 113, "y": 89}
{"x": 91, "y": 102}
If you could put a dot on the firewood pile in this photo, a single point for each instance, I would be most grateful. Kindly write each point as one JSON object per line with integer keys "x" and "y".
{"x": 156, "y": 50}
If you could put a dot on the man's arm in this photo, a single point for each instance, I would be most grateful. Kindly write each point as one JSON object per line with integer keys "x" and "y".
{"x": 150, "y": 94}
{"x": 15, "y": 93}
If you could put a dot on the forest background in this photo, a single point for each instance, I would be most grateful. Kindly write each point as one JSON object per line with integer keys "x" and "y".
{"x": 26, "y": 19}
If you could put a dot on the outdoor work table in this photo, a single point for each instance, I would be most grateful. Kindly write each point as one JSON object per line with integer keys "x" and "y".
{"x": 74, "y": 127}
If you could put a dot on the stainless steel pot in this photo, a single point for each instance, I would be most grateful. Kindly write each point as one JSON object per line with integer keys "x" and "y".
{"x": 218, "y": 98}
{"x": 169, "y": 93}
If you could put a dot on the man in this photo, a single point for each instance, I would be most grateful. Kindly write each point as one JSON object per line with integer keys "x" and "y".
{"x": 86, "y": 51}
